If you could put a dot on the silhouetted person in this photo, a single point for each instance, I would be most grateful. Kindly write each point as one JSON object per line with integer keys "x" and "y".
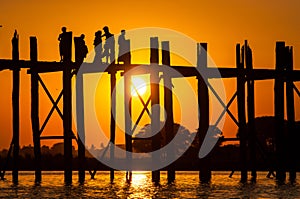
{"x": 121, "y": 38}
{"x": 109, "y": 46}
{"x": 81, "y": 50}
{"x": 124, "y": 48}
{"x": 62, "y": 43}
{"x": 15, "y": 41}
{"x": 98, "y": 47}
{"x": 121, "y": 42}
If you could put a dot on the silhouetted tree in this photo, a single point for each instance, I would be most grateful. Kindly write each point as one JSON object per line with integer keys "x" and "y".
{"x": 185, "y": 138}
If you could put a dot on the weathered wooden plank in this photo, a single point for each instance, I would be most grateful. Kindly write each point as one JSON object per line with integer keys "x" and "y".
{"x": 52, "y": 137}
{"x": 187, "y": 71}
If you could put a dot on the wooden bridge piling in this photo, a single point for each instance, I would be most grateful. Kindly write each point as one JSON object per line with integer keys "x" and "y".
{"x": 80, "y": 127}
{"x": 279, "y": 112}
{"x": 290, "y": 107}
{"x": 241, "y": 113}
{"x": 155, "y": 110}
{"x": 203, "y": 107}
{"x": 112, "y": 121}
{"x": 126, "y": 58}
{"x": 80, "y": 110}
{"x": 16, "y": 108}
{"x": 168, "y": 105}
{"x": 67, "y": 109}
{"x": 128, "y": 119}
{"x": 251, "y": 110}
{"x": 35, "y": 110}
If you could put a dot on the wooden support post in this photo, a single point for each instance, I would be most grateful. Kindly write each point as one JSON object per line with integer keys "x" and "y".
{"x": 251, "y": 110}
{"x": 290, "y": 104}
{"x": 168, "y": 104}
{"x": 112, "y": 121}
{"x": 126, "y": 58}
{"x": 128, "y": 120}
{"x": 80, "y": 127}
{"x": 35, "y": 121}
{"x": 279, "y": 111}
{"x": 203, "y": 104}
{"x": 128, "y": 106}
{"x": 241, "y": 113}
{"x": 155, "y": 110}
{"x": 16, "y": 107}
{"x": 80, "y": 109}
{"x": 67, "y": 109}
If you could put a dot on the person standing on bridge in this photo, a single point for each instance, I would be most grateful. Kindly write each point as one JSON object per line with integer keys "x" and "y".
{"x": 109, "y": 46}
{"x": 98, "y": 47}
{"x": 82, "y": 49}
{"x": 15, "y": 41}
{"x": 124, "y": 48}
{"x": 62, "y": 43}
{"x": 122, "y": 43}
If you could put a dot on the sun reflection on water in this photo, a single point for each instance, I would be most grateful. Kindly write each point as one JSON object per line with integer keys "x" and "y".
{"x": 139, "y": 178}
{"x": 186, "y": 185}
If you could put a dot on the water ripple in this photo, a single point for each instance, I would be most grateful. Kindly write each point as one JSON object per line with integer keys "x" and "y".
{"x": 186, "y": 185}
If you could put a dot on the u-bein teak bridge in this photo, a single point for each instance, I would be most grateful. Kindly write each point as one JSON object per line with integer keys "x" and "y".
{"x": 244, "y": 73}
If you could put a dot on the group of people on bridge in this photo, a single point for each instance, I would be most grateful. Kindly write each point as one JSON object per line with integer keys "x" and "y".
{"x": 107, "y": 50}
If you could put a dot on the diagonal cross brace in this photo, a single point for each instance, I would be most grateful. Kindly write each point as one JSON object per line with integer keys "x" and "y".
{"x": 296, "y": 89}
{"x": 222, "y": 103}
{"x": 54, "y": 103}
{"x": 141, "y": 114}
{"x": 226, "y": 109}
{"x": 51, "y": 111}
{"x": 50, "y": 96}
{"x": 141, "y": 99}
{"x": 145, "y": 108}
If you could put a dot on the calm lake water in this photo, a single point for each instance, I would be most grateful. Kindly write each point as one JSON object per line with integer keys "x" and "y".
{"x": 186, "y": 186}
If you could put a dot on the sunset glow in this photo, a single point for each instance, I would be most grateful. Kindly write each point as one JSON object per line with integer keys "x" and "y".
{"x": 221, "y": 24}
{"x": 149, "y": 99}
{"x": 139, "y": 86}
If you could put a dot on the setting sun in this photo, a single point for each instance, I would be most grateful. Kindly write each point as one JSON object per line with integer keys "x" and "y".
{"x": 139, "y": 86}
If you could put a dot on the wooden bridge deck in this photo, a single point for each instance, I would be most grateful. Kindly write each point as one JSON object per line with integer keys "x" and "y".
{"x": 186, "y": 71}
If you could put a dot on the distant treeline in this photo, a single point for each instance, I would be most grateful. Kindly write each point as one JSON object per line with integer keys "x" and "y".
{"x": 222, "y": 157}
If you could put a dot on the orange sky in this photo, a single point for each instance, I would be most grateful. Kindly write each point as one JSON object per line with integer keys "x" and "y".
{"x": 220, "y": 23}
